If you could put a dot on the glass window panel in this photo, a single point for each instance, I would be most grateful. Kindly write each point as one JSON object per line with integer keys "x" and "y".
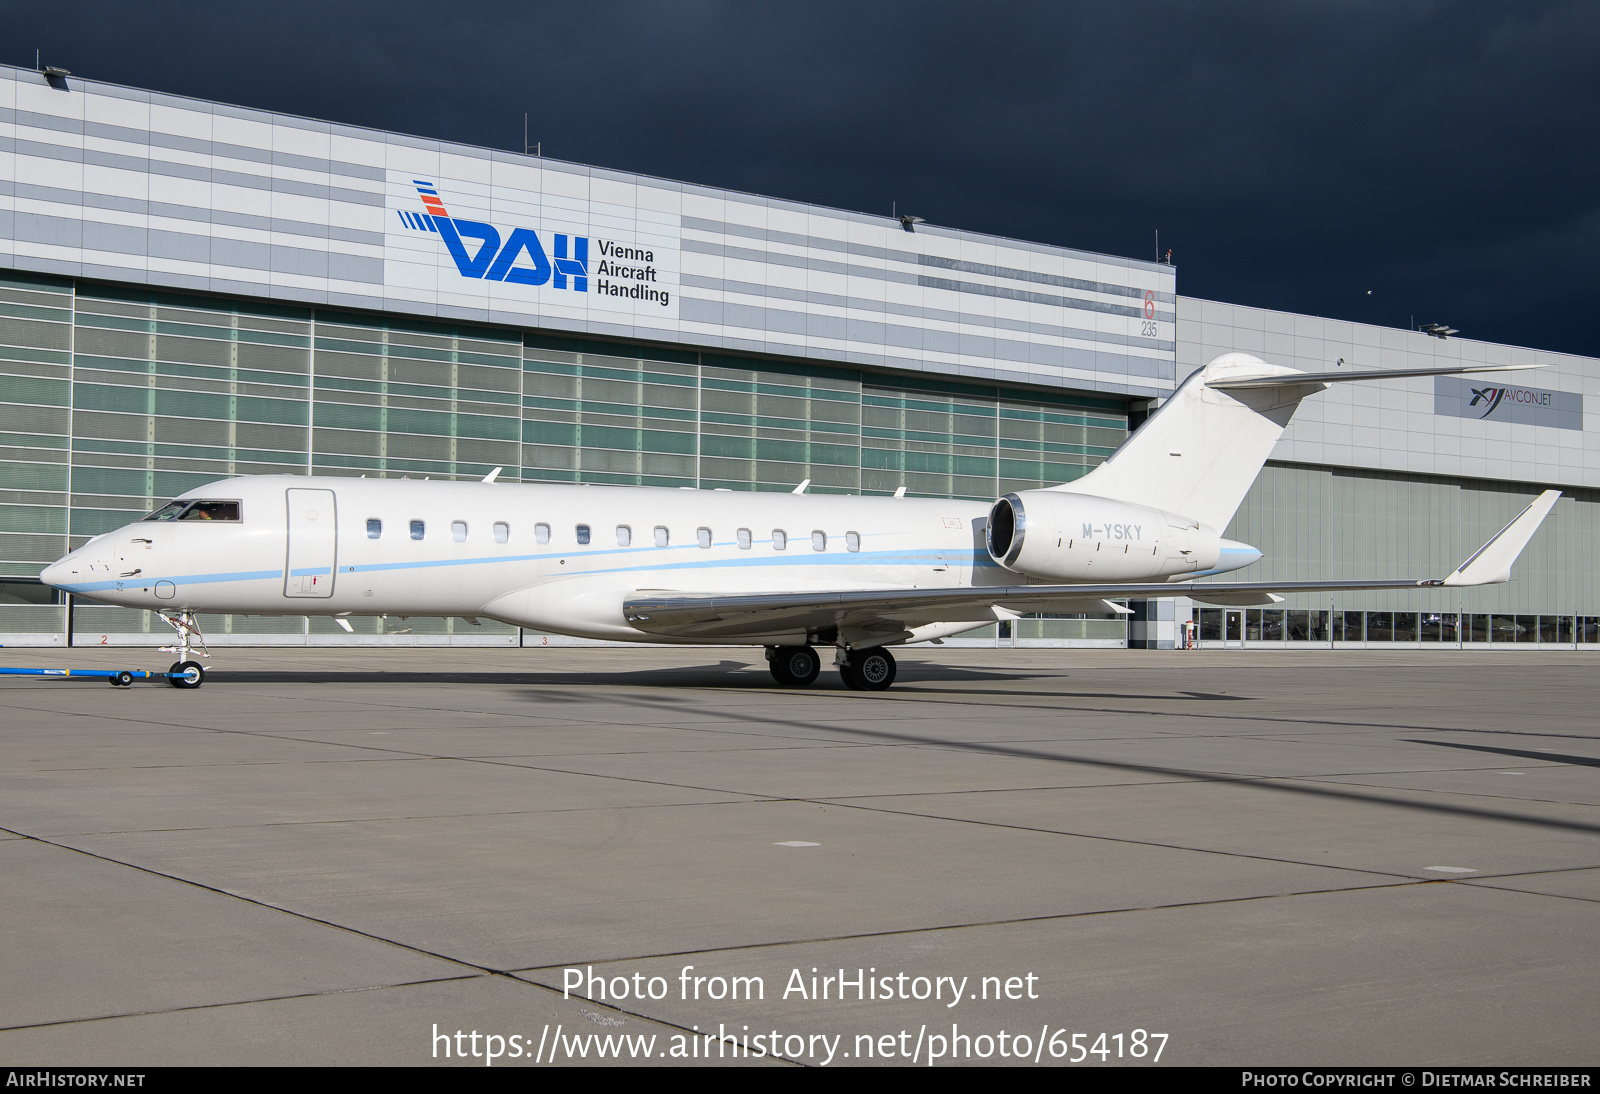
{"x": 418, "y": 529}
{"x": 1272, "y": 624}
{"x": 1380, "y": 626}
{"x": 819, "y": 541}
{"x": 458, "y": 531}
{"x": 541, "y": 533}
{"x": 1527, "y": 628}
{"x": 624, "y": 535}
{"x": 583, "y": 534}
{"x": 1319, "y": 626}
{"x": 1210, "y": 624}
{"x": 744, "y": 539}
{"x": 779, "y": 539}
{"x": 1252, "y": 625}
{"x": 212, "y": 510}
{"x": 374, "y": 528}
{"x": 703, "y": 537}
{"x": 1478, "y": 628}
{"x": 502, "y": 532}
{"x": 1298, "y": 628}
{"x": 1502, "y": 628}
{"x": 1405, "y": 626}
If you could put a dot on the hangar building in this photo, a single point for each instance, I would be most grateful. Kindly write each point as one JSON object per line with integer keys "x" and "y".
{"x": 190, "y": 291}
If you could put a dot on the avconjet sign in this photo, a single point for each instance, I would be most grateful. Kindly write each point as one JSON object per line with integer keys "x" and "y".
{"x": 1485, "y": 400}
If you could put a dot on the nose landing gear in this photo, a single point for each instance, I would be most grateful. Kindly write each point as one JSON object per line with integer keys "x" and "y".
{"x": 185, "y": 671}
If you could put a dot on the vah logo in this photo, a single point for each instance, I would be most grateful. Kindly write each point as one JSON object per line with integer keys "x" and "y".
{"x": 494, "y": 261}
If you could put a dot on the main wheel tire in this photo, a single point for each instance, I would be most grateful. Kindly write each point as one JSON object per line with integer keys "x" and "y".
{"x": 795, "y": 666}
{"x": 123, "y": 679}
{"x": 186, "y": 674}
{"x": 874, "y": 669}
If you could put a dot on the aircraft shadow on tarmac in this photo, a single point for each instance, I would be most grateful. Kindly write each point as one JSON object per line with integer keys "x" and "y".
{"x": 740, "y": 675}
{"x": 1518, "y": 753}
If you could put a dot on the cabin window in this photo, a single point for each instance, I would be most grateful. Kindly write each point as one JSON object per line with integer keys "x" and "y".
{"x": 819, "y": 541}
{"x": 624, "y": 535}
{"x": 703, "y": 537}
{"x": 541, "y": 533}
{"x": 583, "y": 535}
{"x": 663, "y": 537}
{"x": 502, "y": 532}
{"x": 458, "y": 531}
{"x": 744, "y": 539}
{"x": 374, "y": 528}
{"x": 418, "y": 529}
{"x": 852, "y": 541}
{"x": 779, "y": 539}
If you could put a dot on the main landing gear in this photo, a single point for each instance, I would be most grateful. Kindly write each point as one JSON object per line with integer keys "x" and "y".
{"x": 870, "y": 669}
{"x": 793, "y": 666}
{"x": 185, "y": 671}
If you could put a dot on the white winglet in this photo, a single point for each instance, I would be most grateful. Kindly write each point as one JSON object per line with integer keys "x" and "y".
{"x": 1491, "y": 563}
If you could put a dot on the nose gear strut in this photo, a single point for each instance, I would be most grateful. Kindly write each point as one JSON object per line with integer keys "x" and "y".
{"x": 185, "y": 672}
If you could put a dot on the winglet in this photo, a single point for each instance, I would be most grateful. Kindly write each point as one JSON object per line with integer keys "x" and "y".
{"x": 495, "y": 474}
{"x": 1491, "y": 563}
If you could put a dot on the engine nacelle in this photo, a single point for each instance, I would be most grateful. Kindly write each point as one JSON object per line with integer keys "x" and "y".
{"x": 1058, "y": 536}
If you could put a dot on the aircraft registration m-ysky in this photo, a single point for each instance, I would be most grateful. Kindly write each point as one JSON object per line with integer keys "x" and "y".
{"x": 790, "y": 572}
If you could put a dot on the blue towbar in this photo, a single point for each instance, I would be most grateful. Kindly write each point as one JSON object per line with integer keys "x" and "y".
{"x": 185, "y": 674}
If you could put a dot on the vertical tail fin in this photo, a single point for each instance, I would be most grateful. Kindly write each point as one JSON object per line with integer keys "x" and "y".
{"x": 1200, "y": 452}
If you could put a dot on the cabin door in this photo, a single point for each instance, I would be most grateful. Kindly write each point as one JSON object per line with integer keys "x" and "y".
{"x": 313, "y": 540}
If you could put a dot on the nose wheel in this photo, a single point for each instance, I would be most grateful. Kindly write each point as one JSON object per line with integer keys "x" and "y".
{"x": 185, "y": 671}
{"x": 186, "y": 674}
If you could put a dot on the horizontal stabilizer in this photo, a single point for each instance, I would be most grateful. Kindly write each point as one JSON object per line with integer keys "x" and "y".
{"x": 1342, "y": 377}
{"x": 1491, "y": 563}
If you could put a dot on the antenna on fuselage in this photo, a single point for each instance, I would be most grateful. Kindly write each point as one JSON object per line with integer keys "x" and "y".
{"x": 899, "y": 491}
{"x": 491, "y": 476}
{"x": 801, "y": 489}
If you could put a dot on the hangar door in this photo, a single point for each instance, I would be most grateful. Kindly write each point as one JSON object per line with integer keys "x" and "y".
{"x": 313, "y": 538}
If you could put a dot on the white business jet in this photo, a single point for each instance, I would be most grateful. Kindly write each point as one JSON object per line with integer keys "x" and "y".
{"x": 788, "y": 571}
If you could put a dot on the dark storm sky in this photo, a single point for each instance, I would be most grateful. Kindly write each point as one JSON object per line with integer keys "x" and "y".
{"x": 1293, "y": 155}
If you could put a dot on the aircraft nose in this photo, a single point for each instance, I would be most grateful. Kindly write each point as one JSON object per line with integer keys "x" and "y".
{"x": 54, "y": 573}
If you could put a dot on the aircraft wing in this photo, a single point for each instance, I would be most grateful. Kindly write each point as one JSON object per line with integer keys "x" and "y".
{"x": 891, "y": 614}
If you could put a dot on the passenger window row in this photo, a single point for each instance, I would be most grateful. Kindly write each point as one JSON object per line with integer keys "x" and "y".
{"x": 662, "y": 535}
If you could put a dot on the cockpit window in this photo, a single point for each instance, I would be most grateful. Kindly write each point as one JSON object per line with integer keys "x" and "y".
{"x": 187, "y": 509}
{"x": 212, "y": 510}
{"x": 170, "y": 511}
